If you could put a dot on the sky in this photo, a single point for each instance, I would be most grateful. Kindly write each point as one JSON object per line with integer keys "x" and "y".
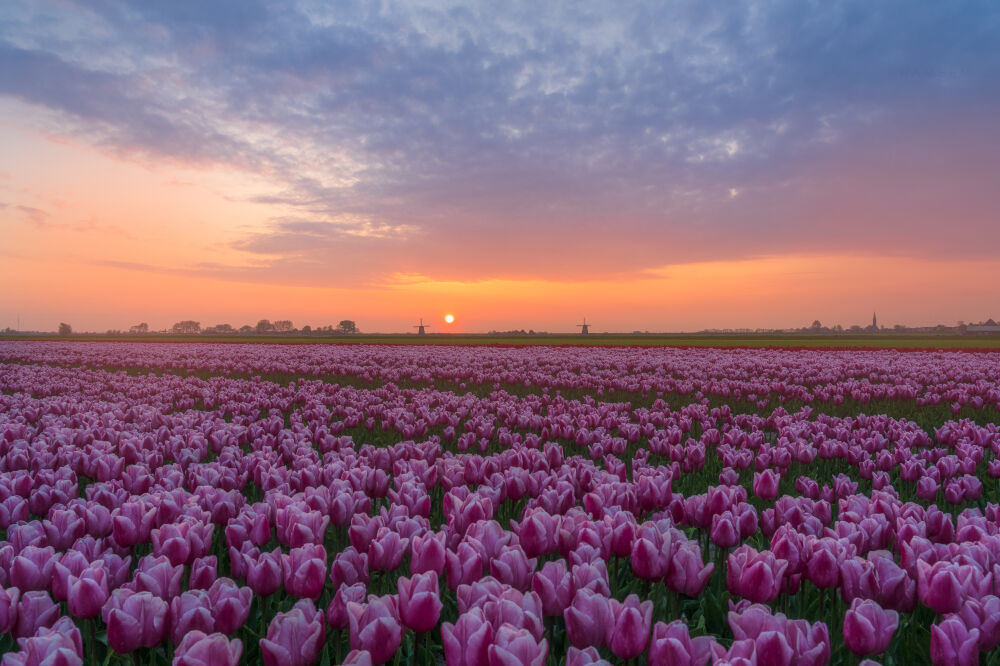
{"x": 662, "y": 166}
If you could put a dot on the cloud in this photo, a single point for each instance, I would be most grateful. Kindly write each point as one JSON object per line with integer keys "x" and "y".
{"x": 474, "y": 140}
{"x": 37, "y": 217}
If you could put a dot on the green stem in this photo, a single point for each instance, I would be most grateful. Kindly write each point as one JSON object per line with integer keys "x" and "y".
{"x": 92, "y": 640}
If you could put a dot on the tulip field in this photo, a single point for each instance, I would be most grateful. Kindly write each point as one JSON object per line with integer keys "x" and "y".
{"x": 219, "y": 504}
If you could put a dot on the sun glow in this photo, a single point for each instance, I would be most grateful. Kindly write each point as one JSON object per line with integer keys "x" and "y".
{"x": 449, "y": 318}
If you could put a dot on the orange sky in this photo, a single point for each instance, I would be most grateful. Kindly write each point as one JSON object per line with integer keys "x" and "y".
{"x": 68, "y": 265}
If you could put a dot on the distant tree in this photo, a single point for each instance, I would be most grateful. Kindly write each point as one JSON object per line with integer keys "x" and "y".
{"x": 899, "y": 328}
{"x": 265, "y": 326}
{"x": 246, "y": 328}
{"x": 816, "y": 325}
{"x": 283, "y": 326}
{"x": 838, "y": 329}
{"x": 307, "y": 329}
{"x": 139, "y": 328}
{"x": 347, "y": 326}
{"x": 220, "y": 329}
{"x": 186, "y": 327}
{"x": 855, "y": 329}
{"x": 65, "y": 329}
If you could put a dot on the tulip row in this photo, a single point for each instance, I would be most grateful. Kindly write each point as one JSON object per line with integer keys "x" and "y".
{"x": 212, "y": 519}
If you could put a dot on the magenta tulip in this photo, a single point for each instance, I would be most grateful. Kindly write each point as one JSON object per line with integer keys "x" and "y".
{"x": 588, "y": 619}
{"x": 753, "y": 575}
{"x": 230, "y": 605}
{"x": 467, "y": 642}
{"x": 35, "y": 610}
{"x": 60, "y": 645}
{"x": 868, "y": 628}
{"x": 88, "y": 592}
{"x": 672, "y": 645}
{"x": 952, "y": 644}
{"x": 134, "y": 620}
{"x": 264, "y": 572}
{"x": 419, "y": 601}
{"x": 336, "y": 612}
{"x": 587, "y": 657}
{"x": 294, "y": 638}
{"x": 554, "y": 585}
{"x": 628, "y": 633}
{"x": 200, "y": 649}
{"x": 375, "y": 627}
{"x": 517, "y": 647}
{"x": 304, "y": 569}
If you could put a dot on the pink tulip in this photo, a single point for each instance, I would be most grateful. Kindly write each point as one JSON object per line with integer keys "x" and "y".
{"x": 375, "y": 627}
{"x": 349, "y": 567}
{"x": 672, "y": 645}
{"x": 952, "y": 644}
{"x": 753, "y": 575}
{"x": 60, "y": 645}
{"x": 587, "y": 657}
{"x": 464, "y": 566}
{"x": 264, "y": 572}
{"x": 190, "y": 611}
{"x": 230, "y": 605}
{"x": 88, "y": 592}
{"x": 427, "y": 553}
{"x": 588, "y": 619}
{"x": 943, "y": 585}
{"x": 822, "y": 566}
{"x": 725, "y": 532}
{"x": 537, "y": 533}
{"x": 357, "y": 658}
{"x": 200, "y": 649}
{"x": 304, "y": 570}
{"x": 419, "y": 601}
{"x": 32, "y": 568}
{"x": 72, "y": 563}
{"x": 35, "y": 610}
{"x": 765, "y": 484}
{"x": 387, "y": 550}
{"x": 204, "y": 572}
{"x": 514, "y": 568}
{"x": 521, "y": 610}
{"x": 688, "y": 574}
{"x": 517, "y": 647}
{"x": 134, "y": 620}
{"x": 867, "y": 628}
{"x": 8, "y": 608}
{"x": 158, "y": 576}
{"x": 647, "y": 558}
{"x": 294, "y": 638}
{"x": 628, "y": 633}
{"x": 336, "y": 612}
{"x": 467, "y": 642}
{"x": 554, "y": 585}
{"x": 131, "y": 523}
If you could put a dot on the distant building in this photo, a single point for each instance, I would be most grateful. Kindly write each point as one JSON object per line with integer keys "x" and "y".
{"x": 983, "y": 329}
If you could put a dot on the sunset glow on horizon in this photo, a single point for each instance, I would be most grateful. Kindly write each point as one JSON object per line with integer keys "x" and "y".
{"x": 661, "y": 169}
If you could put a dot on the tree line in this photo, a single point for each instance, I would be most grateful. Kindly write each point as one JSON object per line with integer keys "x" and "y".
{"x": 263, "y": 327}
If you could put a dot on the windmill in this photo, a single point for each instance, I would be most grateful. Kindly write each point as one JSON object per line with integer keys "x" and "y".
{"x": 421, "y": 326}
{"x": 584, "y": 327}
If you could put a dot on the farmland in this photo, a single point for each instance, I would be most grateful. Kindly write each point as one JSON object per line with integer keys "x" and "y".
{"x": 461, "y": 503}
{"x": 818, "y": 341}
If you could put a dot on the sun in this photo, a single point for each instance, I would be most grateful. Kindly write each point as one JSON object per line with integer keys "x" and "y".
{"x": 449, "y": 318}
